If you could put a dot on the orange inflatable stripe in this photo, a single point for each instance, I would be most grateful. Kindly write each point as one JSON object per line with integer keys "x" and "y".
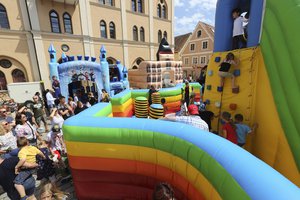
{"x": 127, "y": 113}
{"x": 136, "y": 167}
{"x": 173, "y": 104}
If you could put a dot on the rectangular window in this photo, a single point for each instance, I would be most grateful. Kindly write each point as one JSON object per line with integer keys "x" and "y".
{"x": 204, "y": 45}
{"x": 192, "y": 47}
{"x": 203, "y": 59}
{"x": 195, "y": 60}
{"x": 186, "y": 61}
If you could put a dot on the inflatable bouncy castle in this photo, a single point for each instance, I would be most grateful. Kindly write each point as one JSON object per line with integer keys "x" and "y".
{"x": 113, "y": 155}
{"x": 85, "y": 75}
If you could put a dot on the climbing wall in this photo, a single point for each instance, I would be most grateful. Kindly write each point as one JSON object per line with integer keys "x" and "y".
{"x": 241, "y": 102}
{"x": 255, "y": 101}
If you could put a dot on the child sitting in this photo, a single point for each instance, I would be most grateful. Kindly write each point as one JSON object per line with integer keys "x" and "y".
{"x": 55, "y": 139}
{"x": 224, "y": 71}
{"x": 183, "y": 109}
{"x": 26, "y": 154}
{"x": 229, "y": 128}
{"x": 242, "y": 129}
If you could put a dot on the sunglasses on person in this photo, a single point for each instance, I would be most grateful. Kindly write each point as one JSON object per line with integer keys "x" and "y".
{"x": 5, "y": 124}
{"x": 3, "y": 111}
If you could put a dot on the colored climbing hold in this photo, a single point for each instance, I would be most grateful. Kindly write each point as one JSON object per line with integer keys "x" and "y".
{"x": 237, "y": 72}
{"x": 236, "y": 90}
{"x": 207, "y": 102}
{"x": 217, "y": 59}
{"x": 208, "y": 87}
{"x": 233, "y": 106}
{"x": 218, "y": 104}
{"x": 79, "y": 57}
{"x": 210, "y": 72}
{"x": 72, "y": 58}
{"x": 220, "y": 89}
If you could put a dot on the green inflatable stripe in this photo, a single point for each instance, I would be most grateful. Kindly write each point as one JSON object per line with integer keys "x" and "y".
{"x": 208, "y": 166}
{"x": 139, "y": 94}
{"x": 280, "y": 47}
{"x": 176, "y": 91}
{"x": 121, "y": 100}
{"x": 104, "y": 112}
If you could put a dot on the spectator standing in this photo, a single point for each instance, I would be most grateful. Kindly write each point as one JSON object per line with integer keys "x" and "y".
{"x": 56, "y": 86}
{"x": 91, "y": 99}
{"x": 64, "y": 109}
{"x": 71, "y": 103}
{"x": 50, "y": 99}
{"x": 25, "y": 129}
{"x": 229, "y": 128}
{"x": 80, "y": 107}
{"x": 39, "y": 113}
{"x": 8, "y": 142}
{"x": 187, "y": 93}
{"x": 202, "y": 77}
{"x": 104, "y": 96}
{"x": 151, "y": 91}
{"x": 56, "y": 118}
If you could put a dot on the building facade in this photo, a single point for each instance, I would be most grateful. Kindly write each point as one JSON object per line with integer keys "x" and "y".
{"x": 131, "y": 31}
{"x": 196, "y": 51}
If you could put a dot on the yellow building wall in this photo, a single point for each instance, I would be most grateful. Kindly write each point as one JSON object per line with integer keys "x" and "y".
{"x": 44, "y": 8}
{"x": 15, "y": 19}
{"x": 256, "y": 103}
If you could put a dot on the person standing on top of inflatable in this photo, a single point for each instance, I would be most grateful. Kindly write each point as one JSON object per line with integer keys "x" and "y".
{"x": 238, "y": 40}
{"x": 151, "y": 91}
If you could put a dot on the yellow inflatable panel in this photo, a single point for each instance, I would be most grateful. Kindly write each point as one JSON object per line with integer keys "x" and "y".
{"x": 148, "y": 155}
{"x": 173, "y": 98}
{"x": 256, "y": 103}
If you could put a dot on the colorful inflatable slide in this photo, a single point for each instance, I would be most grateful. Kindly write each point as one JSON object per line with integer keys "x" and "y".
{"x": 123, "y": 158}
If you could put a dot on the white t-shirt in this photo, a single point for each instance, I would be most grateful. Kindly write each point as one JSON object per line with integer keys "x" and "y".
{"x": 57, "y": 119}
{"x": 50, "y": 99}
{"x": 7, "y": 141}
{"x": 238, "y": 28}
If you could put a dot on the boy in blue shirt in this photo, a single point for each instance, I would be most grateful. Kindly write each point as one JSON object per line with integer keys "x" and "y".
{"x": 242, "y": 129}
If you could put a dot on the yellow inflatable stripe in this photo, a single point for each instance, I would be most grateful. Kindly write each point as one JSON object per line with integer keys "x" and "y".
{"x": 173, "y": 98}
{"x": 122, "y": 108}
{"x": 149, "y": 155}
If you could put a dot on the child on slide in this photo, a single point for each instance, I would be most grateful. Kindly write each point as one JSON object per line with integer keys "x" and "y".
{"x": 225, "y": 72}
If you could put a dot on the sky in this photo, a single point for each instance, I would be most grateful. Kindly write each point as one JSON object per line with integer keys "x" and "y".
{"x": 189, "y": 12}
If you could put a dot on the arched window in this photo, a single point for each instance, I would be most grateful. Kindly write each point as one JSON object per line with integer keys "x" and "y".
{"x": 133, "y": 5}
{"x": 103, "y": 29}
{"x": 18, "y": 76}
{"x": 68, "y": 23}
{"x": 111, "y": 60}
{"x": 54, "y": 21}
{"x": 112, "y": 30}
{"x": 199, "y": 33}
{"x": 142, "y": 34}
{"x": 140, "y": 6}
{"x": 3, "y": 83}
{"x": 3, "y": 17}
{"x": 159, "y": 36}
{"x": 159, "y": 10}
{"x": 164, "y": 12}
{"x": 135, "y": 33}
{"x": 134, "y": 67}
{"x": 166, "y": 35}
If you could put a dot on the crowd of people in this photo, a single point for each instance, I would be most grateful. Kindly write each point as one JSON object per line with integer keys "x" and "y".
{"x": 32, "y": 146}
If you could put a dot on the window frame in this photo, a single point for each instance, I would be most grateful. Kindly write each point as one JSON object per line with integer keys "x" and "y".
{"x": 140, "y": 5}
{"x": 164, "y": 12}
{"x": 135, "y": 34}
{"x": 199, "y": 31}
{"x": 57, "y": 17}
{"x": 193, "y": 58}
{"x": 71, "y": 23}
{"x": 105, "y": 27}
{"x": 159, "y": 36}
{"x": 158, "y": 11}
{"x": 6, "y": 17}
{"x": 165, "y": 35}
{"x": 186, "y": 59}
{"x": 112, "y": 24}
{"x": 133, "y": 3}
{"x": 203, "y": 42}
{"x": 194, "y": 45}
{"x": 204, "y": 60}
{"x": 142, "y": 34}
